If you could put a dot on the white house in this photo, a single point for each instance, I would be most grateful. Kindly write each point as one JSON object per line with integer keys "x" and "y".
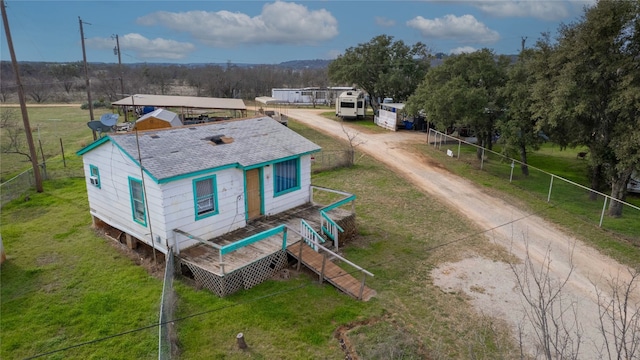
{"x": 206, "y": 179}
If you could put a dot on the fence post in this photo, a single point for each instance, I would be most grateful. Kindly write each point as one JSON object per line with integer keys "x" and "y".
{"x": 459, "y": 145}
{"x": 550, "y": 186}
{"x": 64, "y": 160}
{"x": 482, "y": 160}
{"x": 604, "y": 206}
{"x": 428, "y": 135}
{"x": 324, "y": 260}
{"x": 512, "y": 166}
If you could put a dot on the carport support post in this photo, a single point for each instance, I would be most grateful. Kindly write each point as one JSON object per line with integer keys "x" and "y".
{"x": 550, "y": 187}
{"x": 604, "y": 207}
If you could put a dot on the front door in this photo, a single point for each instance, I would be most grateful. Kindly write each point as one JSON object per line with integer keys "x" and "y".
{"x": 254, "y": 194}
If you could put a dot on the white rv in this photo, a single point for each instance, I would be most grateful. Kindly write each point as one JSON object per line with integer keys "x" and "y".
{"x": 351, "y": 105}
{"x": 634, "y": 183}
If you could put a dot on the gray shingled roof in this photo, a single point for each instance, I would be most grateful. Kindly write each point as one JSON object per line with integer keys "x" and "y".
{"x": 171, "y": 152}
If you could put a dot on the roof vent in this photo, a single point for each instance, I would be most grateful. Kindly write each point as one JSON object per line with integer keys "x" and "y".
{"x": 154, "y": 136}
{"x": 219, "y": 139}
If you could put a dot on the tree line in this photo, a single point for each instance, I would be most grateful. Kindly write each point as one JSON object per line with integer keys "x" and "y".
{"x": 65, "y": 82}
{"x": 581, "y": 88}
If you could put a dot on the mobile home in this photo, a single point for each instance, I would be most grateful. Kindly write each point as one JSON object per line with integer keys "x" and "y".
{"x": 351, "y": 105}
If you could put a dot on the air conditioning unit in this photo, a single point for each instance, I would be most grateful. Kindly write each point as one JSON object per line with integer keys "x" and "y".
{"x": 94, "y": 180}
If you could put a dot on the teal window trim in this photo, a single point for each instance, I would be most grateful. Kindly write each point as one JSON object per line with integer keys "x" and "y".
{"x": 211, "y": 198}
{"x": 280, "y": 183}
{"x": 137, "y": 204}
{"x": 94, "y": 171}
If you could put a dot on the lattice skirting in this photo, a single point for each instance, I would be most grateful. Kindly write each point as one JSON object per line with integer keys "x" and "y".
{"x": 243, "y": 278}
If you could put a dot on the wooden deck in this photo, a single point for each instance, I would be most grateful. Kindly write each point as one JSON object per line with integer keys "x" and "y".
{"x": 332, "y": 273}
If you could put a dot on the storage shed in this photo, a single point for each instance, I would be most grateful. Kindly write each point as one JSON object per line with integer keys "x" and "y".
{"x": 158, "y": 119}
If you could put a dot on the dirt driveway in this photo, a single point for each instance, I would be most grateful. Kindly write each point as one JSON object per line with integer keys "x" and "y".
{"x": 491, "y": 284}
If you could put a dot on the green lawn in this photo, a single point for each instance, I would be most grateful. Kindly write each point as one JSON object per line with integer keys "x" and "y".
{"x": 65, "y": 288}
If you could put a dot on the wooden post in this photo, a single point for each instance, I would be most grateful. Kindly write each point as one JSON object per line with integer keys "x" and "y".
{"x": 131, "y": 241}
{"x": 240, "y": 340}
{"x": 64, "y": 161}
{"x": 324, "y": 260}
{"x": 364, "y": 277}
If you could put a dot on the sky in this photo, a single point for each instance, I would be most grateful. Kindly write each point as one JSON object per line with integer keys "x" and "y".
{"x": 270, "y": 32}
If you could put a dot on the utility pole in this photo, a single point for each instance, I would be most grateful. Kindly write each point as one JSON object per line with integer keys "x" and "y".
{"x": 86, "y": 75}
{"x": 117, "y": 51}
{"x": 23, "y": 104}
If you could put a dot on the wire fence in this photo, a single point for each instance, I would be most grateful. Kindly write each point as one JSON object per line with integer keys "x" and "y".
{"x": 330, "y": 159}
{"x": 167, "y": 344}
{"x": 20, "y": 184}
{"x": 578, "y": 199}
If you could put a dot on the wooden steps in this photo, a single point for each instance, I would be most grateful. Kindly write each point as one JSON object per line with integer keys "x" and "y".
{"x": 332, "y": 273}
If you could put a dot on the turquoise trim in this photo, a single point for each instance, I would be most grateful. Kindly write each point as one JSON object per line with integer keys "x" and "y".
{"x": 214, "y": 189}
{"x": 275, "y": 178}
{"x": 339, "y": 203}
{"x": 94, "y": 171}
{"x": 93, "y": 145}
{"x": 271, "y": 162}
{"x": 250, "y": 240}
{"x": 330, "y": 220}
{"x": 197, "y": 173}
{"x": 142, "y": 221}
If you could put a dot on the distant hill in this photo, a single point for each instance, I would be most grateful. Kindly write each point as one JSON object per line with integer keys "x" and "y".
{"x": 306, "y": 64}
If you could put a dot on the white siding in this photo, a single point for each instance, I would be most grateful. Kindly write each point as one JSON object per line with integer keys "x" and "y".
{"x": 112, "y": 201}
{"x": 180, "y": 210}
{"x": 171, "y": 206}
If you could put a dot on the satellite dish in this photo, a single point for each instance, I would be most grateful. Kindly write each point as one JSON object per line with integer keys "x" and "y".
{"x": 99, "y": 127}
{"x": 109, "y": 119}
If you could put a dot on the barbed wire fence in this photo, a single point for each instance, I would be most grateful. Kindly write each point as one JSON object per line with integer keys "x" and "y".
{"x": 543, "y": 184}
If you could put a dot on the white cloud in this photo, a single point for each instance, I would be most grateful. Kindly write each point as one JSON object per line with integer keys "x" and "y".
{"x": 384, "y": 22}
{"x": 465, "y": 28}
{"x": 545, "y": 10}
{"x": 279, "y": 23}
{"x": 462, "y": 49}
{"x": 144, "y": 48}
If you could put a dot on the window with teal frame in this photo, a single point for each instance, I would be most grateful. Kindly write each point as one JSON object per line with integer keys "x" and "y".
{"x": 94, "y": 176}
{"x": 286, "y": 176}
{"x": 136, "y": 193}
{"x": 205, "y": 197}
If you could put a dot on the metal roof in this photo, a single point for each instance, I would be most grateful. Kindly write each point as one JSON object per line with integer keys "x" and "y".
{"x": 174, "y": 152}
{"x": 268, "y": 100}
{"x": 181, "y": 101}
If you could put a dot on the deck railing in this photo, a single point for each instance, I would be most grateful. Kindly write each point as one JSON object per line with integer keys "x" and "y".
{"x": 334, "y": 255}
{"x": 330, "y": 228}
{"x": 310, "y": 236}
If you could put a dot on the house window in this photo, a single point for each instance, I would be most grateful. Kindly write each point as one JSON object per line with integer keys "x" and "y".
{"x": 137, "y": 201}
{"x": 94, "y": 176}
{"x": 204, "y": 194}
{"x": 286, "y": 176}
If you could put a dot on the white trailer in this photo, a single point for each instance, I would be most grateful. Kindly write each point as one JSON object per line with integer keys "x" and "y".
{"x": 351, "y": 105}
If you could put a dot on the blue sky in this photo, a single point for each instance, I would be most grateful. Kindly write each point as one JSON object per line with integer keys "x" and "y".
{"x": 270, "y": 32}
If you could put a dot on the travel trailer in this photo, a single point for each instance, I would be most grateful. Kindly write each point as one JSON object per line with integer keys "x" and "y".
{"x": 351, "y": 105}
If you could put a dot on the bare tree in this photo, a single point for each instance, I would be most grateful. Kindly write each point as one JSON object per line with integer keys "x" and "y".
{"x": 554, "y": 319}
{"x": 352, "y": 143}
{"x": 14, "y": 134}
{"x": 619, "y": 318}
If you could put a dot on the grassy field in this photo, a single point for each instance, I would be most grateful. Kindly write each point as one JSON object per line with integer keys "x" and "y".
{"x": 64, "y": 286}
{"x": 49, "y": 125}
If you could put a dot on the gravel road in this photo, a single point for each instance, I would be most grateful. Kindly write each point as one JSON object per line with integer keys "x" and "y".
{"x": 491, "y": 284}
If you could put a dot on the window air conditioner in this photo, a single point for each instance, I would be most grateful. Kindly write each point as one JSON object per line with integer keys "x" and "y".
{"x": 94, "y": 180}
